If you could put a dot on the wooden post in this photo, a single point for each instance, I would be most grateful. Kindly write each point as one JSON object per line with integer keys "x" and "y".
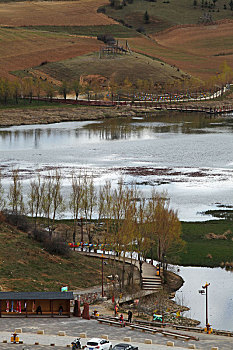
{"x": 51, "y": 307}
{"x": 0, "y": 308}
{"x": 68, "y": 306}
{"x": 26, "y": 308}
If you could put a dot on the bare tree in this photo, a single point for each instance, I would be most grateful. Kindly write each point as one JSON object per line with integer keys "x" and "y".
{"x": 2, "y": 199}
{"x": 89, "y": 201}
{"x": 76, "y": 200}
{"x": 35, "y": 198}
{"x": 52, "y": 199}
{"x": 58, "y": 204}
{"x": 15, "y": 194}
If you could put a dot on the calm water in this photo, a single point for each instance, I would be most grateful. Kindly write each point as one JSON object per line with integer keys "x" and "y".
{"x": 220, "y": 298}
{"x": 190, "y": 156}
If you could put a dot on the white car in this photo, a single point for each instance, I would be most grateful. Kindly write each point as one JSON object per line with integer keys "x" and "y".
{"x": 96, "y": 343}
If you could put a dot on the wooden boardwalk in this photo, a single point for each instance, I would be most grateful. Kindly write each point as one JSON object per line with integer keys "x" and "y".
{"x": 153, "y": 105}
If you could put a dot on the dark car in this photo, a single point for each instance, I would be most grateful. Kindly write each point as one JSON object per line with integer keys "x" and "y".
{"x": 124, "y": 346}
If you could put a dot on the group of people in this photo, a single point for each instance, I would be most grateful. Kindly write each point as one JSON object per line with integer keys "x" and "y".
{"x": 121, "y": 318}
{"x": 39, "y": 310}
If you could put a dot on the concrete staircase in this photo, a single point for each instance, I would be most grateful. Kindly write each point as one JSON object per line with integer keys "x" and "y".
{"x": 150, "y": 281}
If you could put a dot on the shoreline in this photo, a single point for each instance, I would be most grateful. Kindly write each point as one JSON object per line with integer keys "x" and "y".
{"x": 56, "y": 114}
{"x": 50, "y": 115}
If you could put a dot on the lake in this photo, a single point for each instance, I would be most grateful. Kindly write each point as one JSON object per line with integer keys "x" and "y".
{"x": 188, "y": 155}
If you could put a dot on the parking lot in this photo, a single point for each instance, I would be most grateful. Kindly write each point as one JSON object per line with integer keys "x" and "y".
{"x": 74, "y": 326}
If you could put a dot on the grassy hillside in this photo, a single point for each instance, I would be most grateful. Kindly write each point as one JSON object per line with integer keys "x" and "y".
{"x": 133, "y": 66}
{"x": 165, "y": 14}
{"x": 25, "y": 263}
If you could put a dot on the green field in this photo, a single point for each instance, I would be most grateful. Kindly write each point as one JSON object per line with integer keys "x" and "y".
{"x": 115, "y": 30}
{"x": 26, "y": 104}
{"x": 198, "y": 247}
{"x": 165, "y": 14}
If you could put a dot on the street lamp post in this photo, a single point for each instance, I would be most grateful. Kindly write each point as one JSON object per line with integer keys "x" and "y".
{"x": 204, "y": 291}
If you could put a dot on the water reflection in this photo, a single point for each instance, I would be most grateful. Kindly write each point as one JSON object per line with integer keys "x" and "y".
{"x": 115, "y": 129}
{"x": 123, "y": 128}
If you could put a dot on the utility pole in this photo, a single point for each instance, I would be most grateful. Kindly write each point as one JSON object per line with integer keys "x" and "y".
{"x": 81, "y": 219}
{"x": 102, "y": 257}
{"x": 204, "y": 291}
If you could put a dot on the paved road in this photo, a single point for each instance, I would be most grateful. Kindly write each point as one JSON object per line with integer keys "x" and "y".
{"x": 74, "y": 326}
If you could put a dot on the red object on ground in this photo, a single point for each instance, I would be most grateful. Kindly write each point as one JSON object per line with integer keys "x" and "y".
{"x": 86, "y": 314}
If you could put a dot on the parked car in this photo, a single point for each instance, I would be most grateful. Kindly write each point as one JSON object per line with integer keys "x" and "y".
{"x": 124, "y": 346}
{"x": 101, "y": 344}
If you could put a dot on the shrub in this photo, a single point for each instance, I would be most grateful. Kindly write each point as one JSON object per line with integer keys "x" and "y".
{"x": 43, "y": 63}
{"x": 40, "y": 235}
{"x": 106, "y": 38}
{"x": 141, "y": 30}
{"x": 101, "y": 9}
{"x": 20, "y": 221}
{"x": 57, "y": 247}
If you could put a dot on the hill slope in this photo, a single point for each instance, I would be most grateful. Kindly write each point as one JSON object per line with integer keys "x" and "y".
{"x": 135, "y": 66}
{"x": 25, "y": 265}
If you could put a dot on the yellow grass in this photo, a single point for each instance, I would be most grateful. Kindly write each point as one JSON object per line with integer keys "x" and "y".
{"x": 72, "y": 13}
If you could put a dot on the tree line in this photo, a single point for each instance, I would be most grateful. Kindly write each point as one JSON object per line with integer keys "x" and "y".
{"x": 125, "y": 221}
{"x": 35, "y": 88}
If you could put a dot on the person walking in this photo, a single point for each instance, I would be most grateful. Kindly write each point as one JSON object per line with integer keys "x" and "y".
{"x": 130, "y": 314}
{"x": 116, "y": 310}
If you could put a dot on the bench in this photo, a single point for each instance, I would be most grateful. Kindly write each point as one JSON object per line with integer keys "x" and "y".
{"x": 144, "y": 328}
{"x": 151, "y": 323}
{"x": 226, "y": 333}
{"x": 111, "y": 323}
{"x": 195, "y": 329}
{"x": 176, "y": 335}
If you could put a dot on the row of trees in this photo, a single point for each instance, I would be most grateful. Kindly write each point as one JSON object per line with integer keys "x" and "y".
{"x": 33, "y": 87}
{"x": 125, "y": 221}
{"x": 30, "y": 87}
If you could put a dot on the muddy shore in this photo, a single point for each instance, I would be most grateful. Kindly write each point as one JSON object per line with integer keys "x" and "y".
{"x": 29, "y": 116}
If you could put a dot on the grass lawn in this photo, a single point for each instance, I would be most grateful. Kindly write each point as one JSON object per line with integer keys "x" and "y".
{"x": 26, "y": 104}
{"x": 198, "y": 247}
